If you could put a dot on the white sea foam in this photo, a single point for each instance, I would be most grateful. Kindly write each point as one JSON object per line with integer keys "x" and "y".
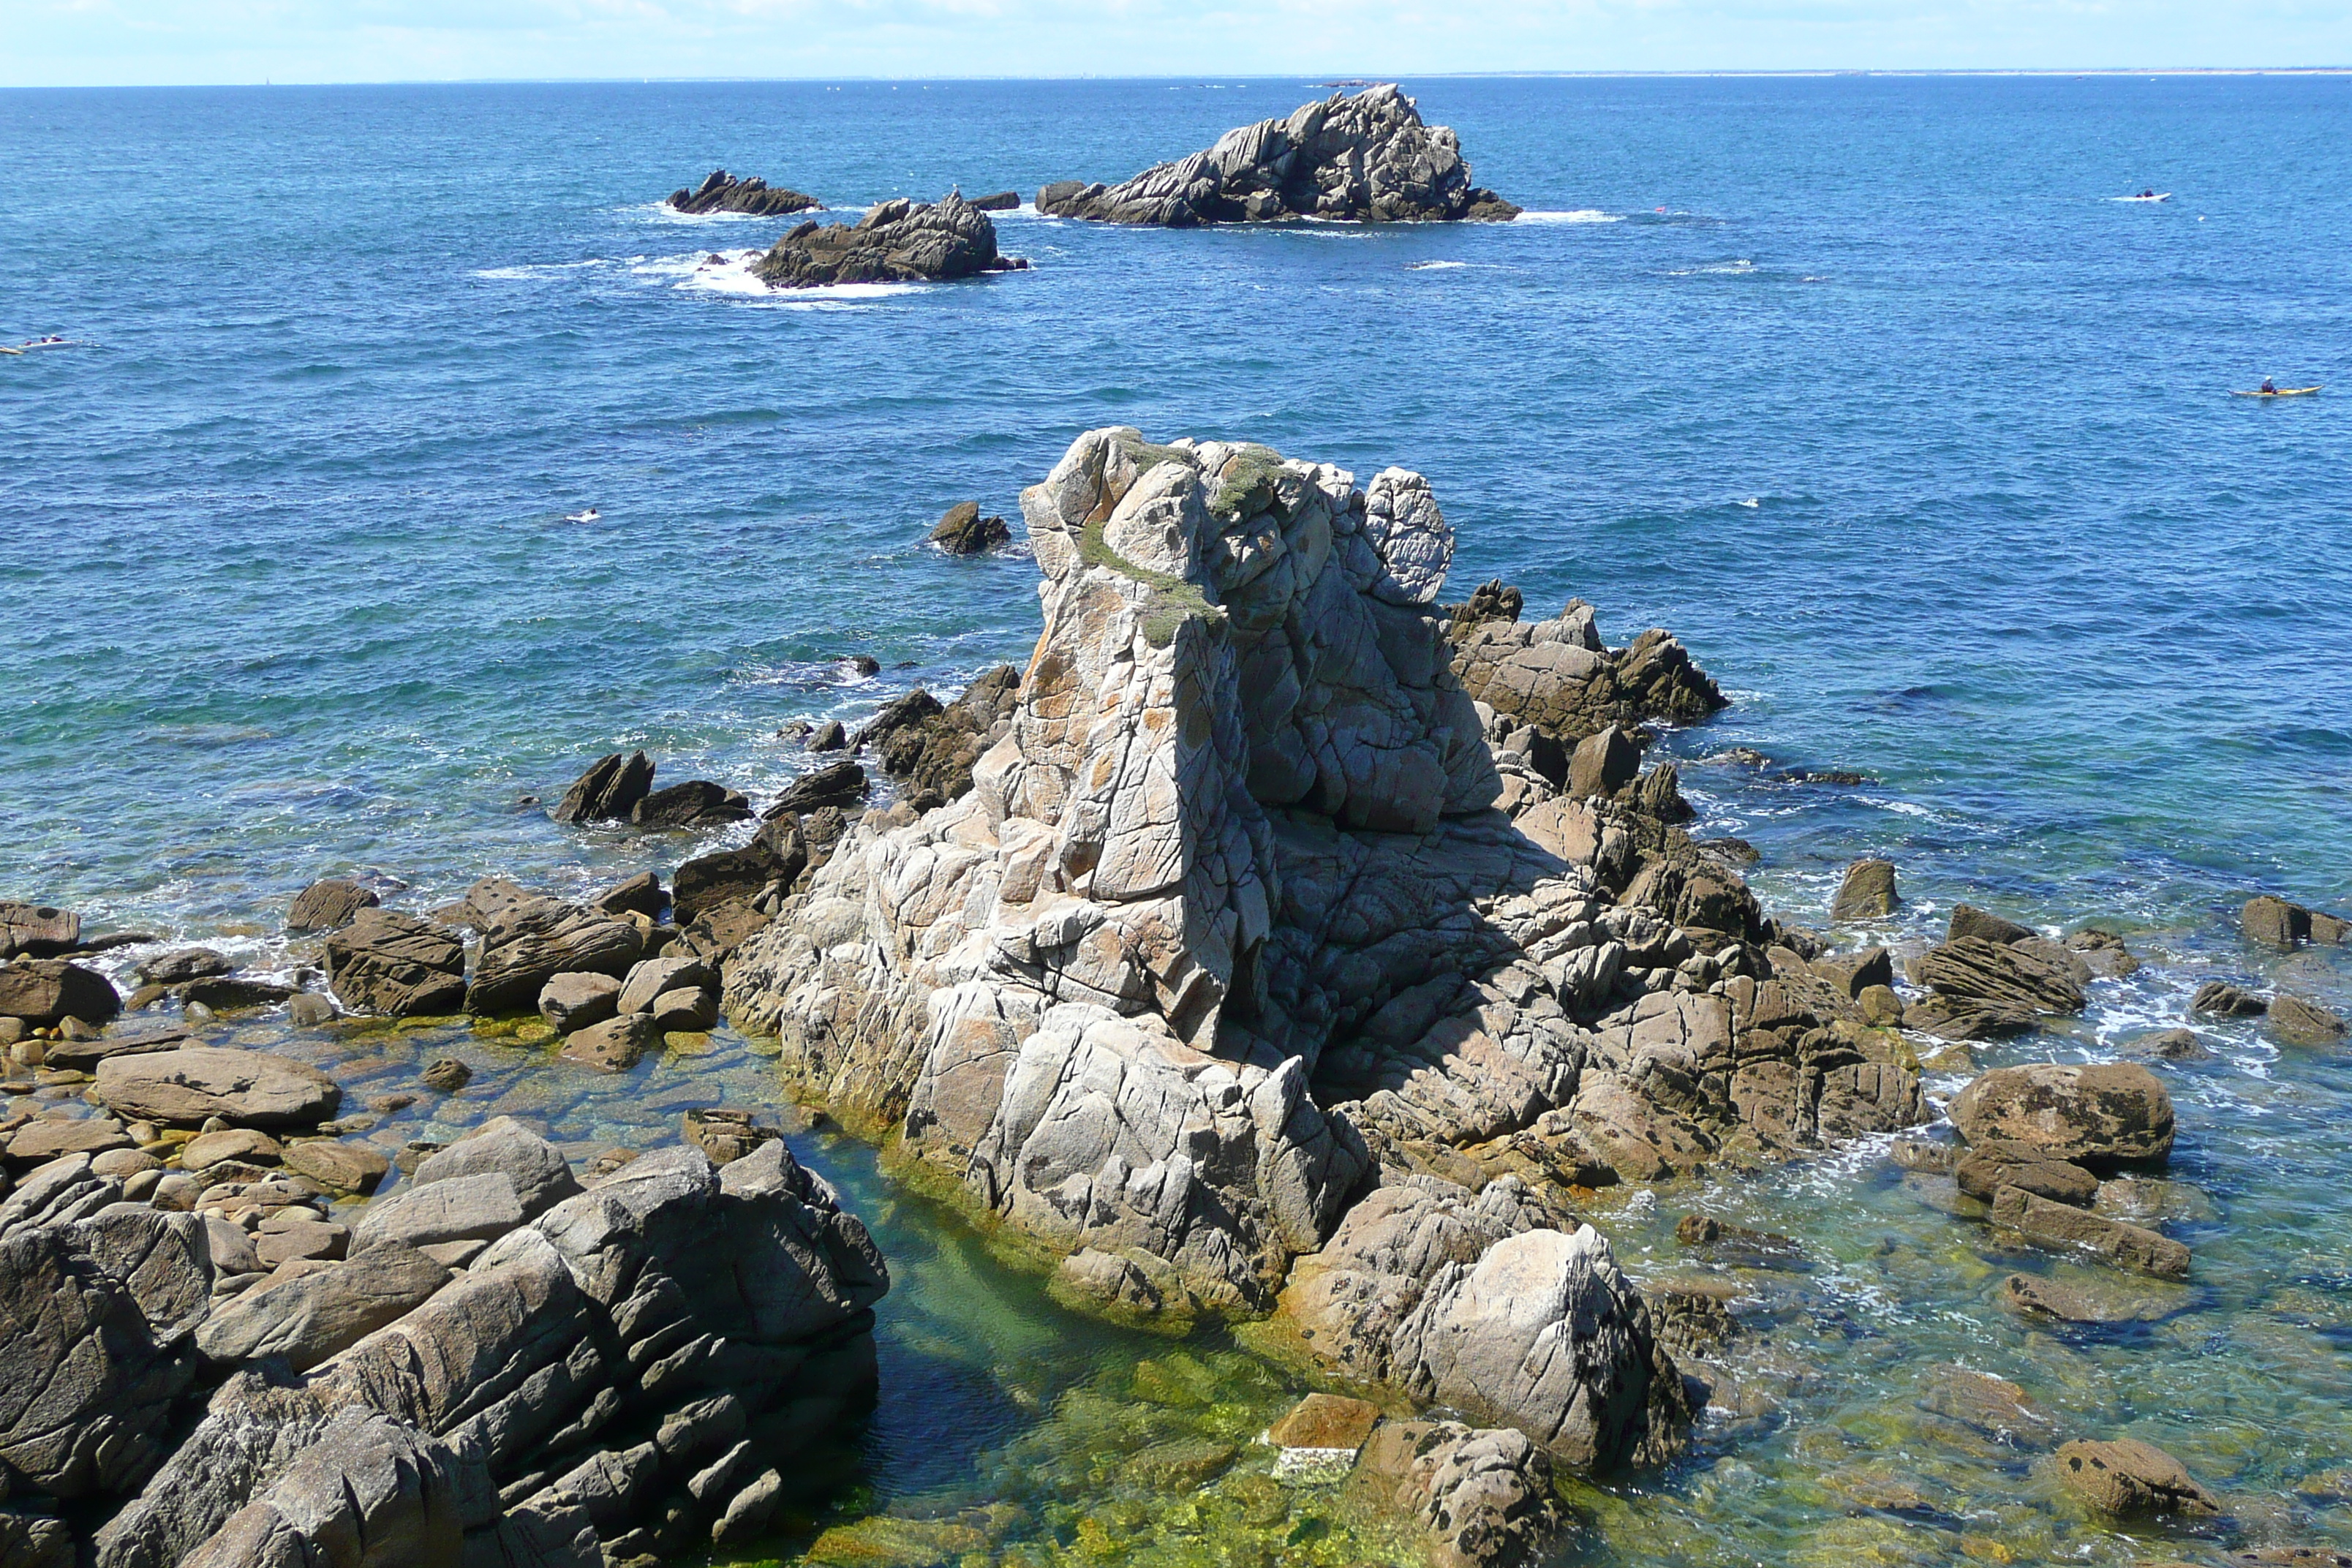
{"x": 1580, "y": 215}
{"x": 539, "y": 272}
{"x": 1738, "y": 268}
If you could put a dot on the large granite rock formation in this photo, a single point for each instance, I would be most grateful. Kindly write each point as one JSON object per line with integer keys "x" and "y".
{"x": 897, "y": 241}
{"x": 721, "y": 192}
{"x": 616, "y": 1379}
{"x": 1367, "y": 158}
{"x": 1232, "y": 930}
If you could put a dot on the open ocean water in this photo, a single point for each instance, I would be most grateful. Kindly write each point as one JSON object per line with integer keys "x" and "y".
{"x": 1869, "y": 388}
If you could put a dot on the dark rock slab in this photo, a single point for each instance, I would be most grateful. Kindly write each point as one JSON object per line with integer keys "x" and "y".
{"x": 385, "y": 962}
{"x": 721, "y": 192}
{"x": 897, "y": 241}
{"x": 698, "y": 802}
{"x": 609, "y": 790}
{"x": 329, "y": 905}
{"x": 963, "y": 531}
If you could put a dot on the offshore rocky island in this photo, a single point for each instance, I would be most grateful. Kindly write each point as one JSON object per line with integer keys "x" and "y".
{"x": 1279, "y": 949}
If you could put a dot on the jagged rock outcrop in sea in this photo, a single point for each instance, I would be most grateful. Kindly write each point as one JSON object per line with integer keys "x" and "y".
{"x": 1230, "y": 931}
{"x": 721, "y": 192}
{"x": 1368, "y": 159}
{"x": 897, "y": 241}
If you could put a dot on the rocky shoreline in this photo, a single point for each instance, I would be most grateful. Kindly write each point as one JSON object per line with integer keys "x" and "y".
{"x": 1280, "y": 947}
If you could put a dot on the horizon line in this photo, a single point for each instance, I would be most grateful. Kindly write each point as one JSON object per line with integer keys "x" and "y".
{"x": 1321, "y": 79}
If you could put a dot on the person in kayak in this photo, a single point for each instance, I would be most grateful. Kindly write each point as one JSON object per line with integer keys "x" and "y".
{"x": 2147, "y": 194}
{"x": 2269, "y": 386}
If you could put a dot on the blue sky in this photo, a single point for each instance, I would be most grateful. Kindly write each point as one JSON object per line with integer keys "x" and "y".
{"x": 56, "y": 43}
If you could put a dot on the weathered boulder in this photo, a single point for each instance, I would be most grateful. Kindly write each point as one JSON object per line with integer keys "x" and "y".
{"x": 2220, "y": 999}
{"x": 2129, "y": 1478}
{"x": 95, "y": 1315}
{"x": 1560, "y": 677}
{"x": 609, "y": 790}
{"x": 1987, "y": 1167}
{"x": 2294, "y": 1021}
{"x": 314, "y": 1315}
{"x": 640, "y": 895}
{"x": 571, "y": 1002}
{"x": 841, "y": 783}
{"x": 928, "y": 747}
{"x": 721, "y": 192}
{"x": 2062, "y": 1225}
{"x": 698, "y": 802}
{"x": 2098, "y": 1116}
{"x": 536, "y": 1168}
{"x": 1967, "y": 919}
{"x": 998, "y": 202}
{"x": 897, "y": 241}
{"x": 45, "y": 992}
{"x": 337, "y": 1165}
{"x": 1368, "y": 158}
{"x": 480, "y": 1206}
{"x": 45, "y": 1139}
{"x": 1485, "y": 1497}
{"x": 514, "y": 1414}
{"x": 1971, "y": 972}
{"x": 329, "y": 905}
{"x": 1866, "y": 893}
{"x": 185, "y": 1087}
{"x": 963, "y": 531}
{"x": 2274, "y": 922}
{"x": 532, "y": 942}
{"x": 232, "y": 993}
{"x": 183, "y": 965}
{"x": 1602, "y": 764}
{"x": 36, "y": 931}
{"x": 654, "y": 975}
{"x": 617, "y": 1045}
{"x": 483, "y": 902}
{"x": 382, "y": 961}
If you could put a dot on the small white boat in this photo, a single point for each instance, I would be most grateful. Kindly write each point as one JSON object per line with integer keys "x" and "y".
{"x": 2145, "y": 197}
{"x": 591, "y": 515}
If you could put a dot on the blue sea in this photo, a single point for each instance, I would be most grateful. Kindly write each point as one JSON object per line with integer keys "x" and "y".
{"x": 1870, "y": 388}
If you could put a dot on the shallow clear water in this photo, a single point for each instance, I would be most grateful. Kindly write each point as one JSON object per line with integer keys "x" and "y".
{"x": 1918, "y": 439}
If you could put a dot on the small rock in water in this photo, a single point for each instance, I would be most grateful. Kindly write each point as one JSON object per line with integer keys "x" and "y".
{"x": 310, "y": 1010}
{"x": 2274, "y": 922}
{"x": 2171, "y": 1045}
{"x": 724, "y": 1133}
{"x": 2031, "y": 1296}
{"x": 1322, "y": 1435}
{"x": 1866, "y": 893}
{"x": 963, "y": 531}
{"x": 998, "y": 202}
{"x": 185, "y": 964}
{"x": 2297, "y": 1022}
{"x": 2128, "y": 1478}
{"x": 616, "y": 1044}
{"x": 828, "y": 737}
{"x": 609, "y": 790}
{"x": 2220, "y": 999}
{"x": 447, "y": 1074}
{"x": 698, "y": 802}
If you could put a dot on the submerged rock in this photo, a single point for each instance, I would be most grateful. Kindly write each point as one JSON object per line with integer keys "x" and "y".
{"x": 1368, "y": 158}
{"x": 721, "y": 192}
{"x": 2297, "y": 1022}
{"x": 2128, "y": 1478}
{"x": 2274, "y": 922}
{"x": 897, "y": 241}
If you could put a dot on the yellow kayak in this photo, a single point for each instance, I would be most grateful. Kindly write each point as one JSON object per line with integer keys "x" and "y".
{"x": 2281, "y": 392}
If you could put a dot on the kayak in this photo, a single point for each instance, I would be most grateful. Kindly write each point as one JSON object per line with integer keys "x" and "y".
{"x": 2164, "y": 198}
{"x": 2281, "y": 392}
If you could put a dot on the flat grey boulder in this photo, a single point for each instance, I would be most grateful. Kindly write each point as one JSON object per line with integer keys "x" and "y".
{"x": 532, "y": 942}
{"x": 182, "y": 1088}
{"x": 1544, "y": 1334}
{"x": 571, "y": 1002}
{"x": 479, "y": 1207}
{"x": 2100, "y": 1116}
{"x": 382, "y": 961}
{"x": 93, "y": 1315}
{"x": 654, "y": 975}
{"x": 309, "y": 1318}
{"x": 536, "y": 1168}
{"x": 329, "y": 905}
{"x": 36, "y": 931}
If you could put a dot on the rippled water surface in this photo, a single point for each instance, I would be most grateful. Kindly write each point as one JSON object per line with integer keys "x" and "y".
{"x": 1866, "y": 387}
